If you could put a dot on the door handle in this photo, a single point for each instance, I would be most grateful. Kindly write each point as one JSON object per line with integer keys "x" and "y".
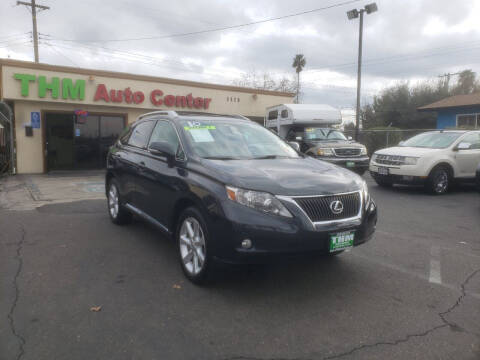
{"x": 142, "y": 163}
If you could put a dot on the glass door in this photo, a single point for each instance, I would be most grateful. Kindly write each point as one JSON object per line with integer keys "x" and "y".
{"x": 86, "y": 147}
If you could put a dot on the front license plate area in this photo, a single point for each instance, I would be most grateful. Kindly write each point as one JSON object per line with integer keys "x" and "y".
{"x": 350, "y": 164}
{"x": 383, "y": 170}
{"x": 341, "y": 241}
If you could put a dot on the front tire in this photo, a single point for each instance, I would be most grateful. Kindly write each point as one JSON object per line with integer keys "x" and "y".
{"x": 192, "y": 240}
{"x": 439, "y": 181}
{"x": 118, "y": 214}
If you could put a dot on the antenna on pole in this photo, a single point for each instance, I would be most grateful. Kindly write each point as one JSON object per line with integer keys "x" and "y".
{"x": 34, "y": 8}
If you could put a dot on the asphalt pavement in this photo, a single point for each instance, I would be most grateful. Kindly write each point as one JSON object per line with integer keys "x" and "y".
{"x": 412, "y": 292}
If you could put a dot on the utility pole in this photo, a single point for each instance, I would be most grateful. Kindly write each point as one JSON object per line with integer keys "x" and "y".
{"x": 446, "y": 82}
{"x": 359, "y": 74}
{"x": 353, "y": 14}
{"x": 34, "y": 21}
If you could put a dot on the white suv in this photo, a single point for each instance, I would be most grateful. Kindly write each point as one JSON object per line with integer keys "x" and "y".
{"x": 434, "y": 159}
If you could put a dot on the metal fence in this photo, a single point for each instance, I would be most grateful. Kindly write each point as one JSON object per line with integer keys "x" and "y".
{"x": 378, "y": 139}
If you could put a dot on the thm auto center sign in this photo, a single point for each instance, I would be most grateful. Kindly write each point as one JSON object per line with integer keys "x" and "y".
{"x": 69, "y": 89}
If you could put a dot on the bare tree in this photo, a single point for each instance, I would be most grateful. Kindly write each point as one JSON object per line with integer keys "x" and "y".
{"x": 266, "y": 82}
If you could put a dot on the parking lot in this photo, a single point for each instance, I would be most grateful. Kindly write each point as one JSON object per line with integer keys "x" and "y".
{"x": 412, "y": 292}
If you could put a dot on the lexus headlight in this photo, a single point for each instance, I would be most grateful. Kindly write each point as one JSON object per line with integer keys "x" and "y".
{"x": 261, "y": 201}
{"x": 365, "y": 193}
{"x": 410, "y": 160}
{"x": 325, "y": 152}
{"x": 363, "y": 151}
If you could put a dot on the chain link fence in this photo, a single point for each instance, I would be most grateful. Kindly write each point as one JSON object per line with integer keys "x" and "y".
{"x": 379, "y": 139}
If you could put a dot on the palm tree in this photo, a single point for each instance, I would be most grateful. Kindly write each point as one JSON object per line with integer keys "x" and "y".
{"x": 299, "y": 62}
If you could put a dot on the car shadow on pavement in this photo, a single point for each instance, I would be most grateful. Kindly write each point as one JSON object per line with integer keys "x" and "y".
{"x": 292, "y": 274}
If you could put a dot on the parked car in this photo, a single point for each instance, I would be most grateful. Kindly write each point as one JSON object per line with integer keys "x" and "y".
{"x": 311, "y": 127}
{"x": 228, "y": 189}
{"x": 434, "y": 159}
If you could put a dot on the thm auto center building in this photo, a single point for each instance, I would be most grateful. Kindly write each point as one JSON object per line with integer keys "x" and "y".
{"x": 66, "y": 118}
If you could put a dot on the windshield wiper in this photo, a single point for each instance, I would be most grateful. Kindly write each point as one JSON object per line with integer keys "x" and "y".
{"x": 266, "y": 157}
{"x": 220, "y": 158}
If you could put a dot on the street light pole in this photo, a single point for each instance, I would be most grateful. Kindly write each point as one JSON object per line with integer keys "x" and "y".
{"x": 359, "y": 74}
{"x": 353, "y": 14}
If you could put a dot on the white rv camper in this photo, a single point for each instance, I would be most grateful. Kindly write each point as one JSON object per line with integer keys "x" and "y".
{"x": 282, "y": 117}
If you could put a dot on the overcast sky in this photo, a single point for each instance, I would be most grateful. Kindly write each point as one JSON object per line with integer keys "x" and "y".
{"x": 405, "y": 40}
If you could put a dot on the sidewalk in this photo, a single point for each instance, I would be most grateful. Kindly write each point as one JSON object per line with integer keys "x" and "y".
{"x": 27, "y": 192}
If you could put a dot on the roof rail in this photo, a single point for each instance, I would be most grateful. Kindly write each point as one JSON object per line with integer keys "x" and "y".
{"x": 171, "y": 114}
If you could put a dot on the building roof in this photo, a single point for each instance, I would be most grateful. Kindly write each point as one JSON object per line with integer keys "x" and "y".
{"x": 453, "y": 101}
{"x": 122, "y": 75}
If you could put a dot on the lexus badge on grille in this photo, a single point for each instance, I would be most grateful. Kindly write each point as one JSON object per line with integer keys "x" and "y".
{"x": 336, "y": 207}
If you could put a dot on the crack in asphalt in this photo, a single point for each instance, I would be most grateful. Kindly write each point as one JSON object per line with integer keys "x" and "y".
{"x": 11, "y": 321}
{"x": 394, "y": 342}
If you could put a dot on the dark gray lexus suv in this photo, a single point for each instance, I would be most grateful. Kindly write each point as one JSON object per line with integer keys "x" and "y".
{"x": 226, "y": 188}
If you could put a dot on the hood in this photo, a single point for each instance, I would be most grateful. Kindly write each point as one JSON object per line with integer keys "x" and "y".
{"x": 407, "y": 151}
{"x": 333, "y": 144}
{"x": 301, "y": 176}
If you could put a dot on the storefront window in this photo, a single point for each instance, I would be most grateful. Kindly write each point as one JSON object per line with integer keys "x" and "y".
{"x": 468, "y": 120}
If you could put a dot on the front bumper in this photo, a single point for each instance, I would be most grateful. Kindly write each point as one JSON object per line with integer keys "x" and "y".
{"x": 353, "y": 163}
{"x": 404, "y": 174}
{"x": 276, "y": 238}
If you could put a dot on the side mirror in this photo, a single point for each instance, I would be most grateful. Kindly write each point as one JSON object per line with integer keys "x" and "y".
{"x": 295, "y": 145}
{"x": 463, "y": 146}
{"x": 163, "y": 148}
{"x": 349, "y": 138}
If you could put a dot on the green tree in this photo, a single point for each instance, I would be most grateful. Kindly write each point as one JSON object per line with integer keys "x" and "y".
{"x": 299, "y": 63}
{"x": 397, "y": 105}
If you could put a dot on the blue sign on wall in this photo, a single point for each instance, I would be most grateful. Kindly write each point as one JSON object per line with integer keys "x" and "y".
{"x": 35, "y": 119}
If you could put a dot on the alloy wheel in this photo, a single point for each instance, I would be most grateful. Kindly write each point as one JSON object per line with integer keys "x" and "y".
{"x": 441, "y": 182}
{"x": 192, "y": 246}
{"x": 113, "y": 201}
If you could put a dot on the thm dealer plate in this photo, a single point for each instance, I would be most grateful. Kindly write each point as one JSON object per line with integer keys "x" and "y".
{"x": 341, "y": 241}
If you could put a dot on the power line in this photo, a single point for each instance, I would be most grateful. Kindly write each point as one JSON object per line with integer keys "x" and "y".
{"x": 222, "y": 28}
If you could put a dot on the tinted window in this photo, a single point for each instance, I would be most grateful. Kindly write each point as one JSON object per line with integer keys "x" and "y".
{"x": 125, "y": 135}
{"x": 272, "y": 115}
{"x": 164, "y": 132}
{"x": 141, "y": 134}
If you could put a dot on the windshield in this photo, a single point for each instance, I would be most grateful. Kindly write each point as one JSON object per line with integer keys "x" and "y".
{"x": 230, "y": 140}
{"x": 434, "y": 140}
{"x": 323, "y": 134}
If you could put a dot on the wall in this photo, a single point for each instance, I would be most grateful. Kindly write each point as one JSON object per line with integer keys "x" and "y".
{"x": 447, "y": 118}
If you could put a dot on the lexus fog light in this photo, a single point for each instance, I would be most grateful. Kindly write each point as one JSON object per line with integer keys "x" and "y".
{"x": 246, "y": 244}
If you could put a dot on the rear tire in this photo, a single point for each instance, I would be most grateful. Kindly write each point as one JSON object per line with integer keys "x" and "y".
{"x": 118, "y": 214}
{"x": 439, "y": 181}
{"x": 193, "y": 238}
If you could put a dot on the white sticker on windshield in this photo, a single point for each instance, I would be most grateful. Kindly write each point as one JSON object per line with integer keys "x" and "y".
{"x": 201, "y": 135}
